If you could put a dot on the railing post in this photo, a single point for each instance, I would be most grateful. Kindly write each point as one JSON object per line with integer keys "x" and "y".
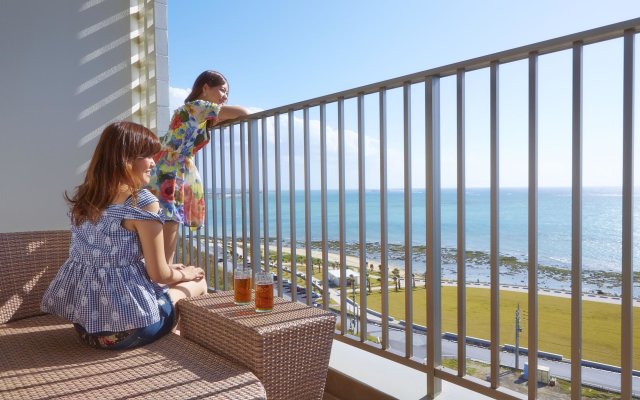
{"x": 533, "y": 226}
{"x": 232, "y": 173}
{"x": 434, "y": 262}
{"x": 626, "y": 316}
{"x": 265, "y": 195}
{"x": 243, "y": 193}
{"x": 576, "y": 226}
{"x": 461, "y": 213}
{"x": 495, "y": 224}
{"x": 254, "y": 194}
{"x": 408, "y": 220}
{"x": 292, "y": 204}
{"x": 214, "y": 215}
{"x": 223, "y": 209}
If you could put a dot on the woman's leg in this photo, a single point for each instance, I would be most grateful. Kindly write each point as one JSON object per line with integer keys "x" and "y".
{"x": 170, "y": 233}
{"x": 187, "y": 289}
{"x": 183, "y": 290}
{"x": 134, "y": 337}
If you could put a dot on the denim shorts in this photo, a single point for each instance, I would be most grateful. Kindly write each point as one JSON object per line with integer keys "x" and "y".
{"x": 133, "y": 337}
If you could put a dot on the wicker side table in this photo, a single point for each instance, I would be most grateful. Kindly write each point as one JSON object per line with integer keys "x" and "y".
{"x": 288, "y": 349}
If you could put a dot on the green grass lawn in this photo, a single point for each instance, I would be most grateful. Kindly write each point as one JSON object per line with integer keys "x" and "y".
{"x": 601, "y": 321}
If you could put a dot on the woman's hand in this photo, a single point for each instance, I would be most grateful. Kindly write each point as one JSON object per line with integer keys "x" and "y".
{"x": 191, "y": 273}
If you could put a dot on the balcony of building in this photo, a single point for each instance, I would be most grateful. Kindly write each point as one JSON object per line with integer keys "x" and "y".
{"x": 287, "y": 199}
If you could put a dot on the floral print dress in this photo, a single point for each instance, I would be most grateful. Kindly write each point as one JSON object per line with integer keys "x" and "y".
{"x": 176, "y": 180}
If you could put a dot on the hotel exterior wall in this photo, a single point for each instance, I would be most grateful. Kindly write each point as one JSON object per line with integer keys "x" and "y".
{"x": 68, "y": 69}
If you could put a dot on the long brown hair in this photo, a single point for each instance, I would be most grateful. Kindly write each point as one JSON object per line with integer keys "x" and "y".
{"x": 119, "y": 145}
{"x": 212, "y": 79}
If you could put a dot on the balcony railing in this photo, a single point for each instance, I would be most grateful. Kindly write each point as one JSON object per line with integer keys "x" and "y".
{"x": 265, "y": 167}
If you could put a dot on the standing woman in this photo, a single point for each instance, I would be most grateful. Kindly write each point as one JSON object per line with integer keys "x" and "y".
{"x": 116, "y": 286}
{"x": 176, "y": 180}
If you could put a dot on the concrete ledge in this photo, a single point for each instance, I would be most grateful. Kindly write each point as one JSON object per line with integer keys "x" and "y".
{"x": 352, "y": 369}
{"x": 342, "y": 386}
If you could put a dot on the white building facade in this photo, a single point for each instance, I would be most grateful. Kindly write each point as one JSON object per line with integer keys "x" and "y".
{"x": 68, "y": 69}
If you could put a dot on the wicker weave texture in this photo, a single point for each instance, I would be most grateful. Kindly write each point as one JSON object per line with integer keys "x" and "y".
{"x": 30, "y": 260}
{"x": 288, "y": 348}
{"x": 42, "y": 359}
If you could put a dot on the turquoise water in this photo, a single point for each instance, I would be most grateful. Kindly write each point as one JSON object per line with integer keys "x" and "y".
{"x": 602, "y": 227}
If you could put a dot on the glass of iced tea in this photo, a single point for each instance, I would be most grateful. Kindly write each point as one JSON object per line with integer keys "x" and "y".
{"x": 242, "y": 286}
{"x": 264, "y": 292}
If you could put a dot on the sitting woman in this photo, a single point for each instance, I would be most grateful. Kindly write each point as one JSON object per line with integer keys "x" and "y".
{"x": 116, "y": 286}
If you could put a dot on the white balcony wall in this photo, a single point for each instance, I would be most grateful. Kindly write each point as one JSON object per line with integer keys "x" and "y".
{"x": 69, "y": 68}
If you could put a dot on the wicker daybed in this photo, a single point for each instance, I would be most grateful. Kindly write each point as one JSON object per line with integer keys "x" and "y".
{"x": 40, "y": 357}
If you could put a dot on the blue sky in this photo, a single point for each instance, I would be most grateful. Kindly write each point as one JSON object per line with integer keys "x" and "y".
{"x": 281, "y": 52}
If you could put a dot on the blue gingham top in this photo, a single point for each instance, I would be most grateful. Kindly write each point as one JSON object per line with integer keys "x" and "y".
{"x": 104, "y": 285}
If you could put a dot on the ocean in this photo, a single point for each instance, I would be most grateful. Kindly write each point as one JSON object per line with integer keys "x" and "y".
{"x": 601, "y": 246}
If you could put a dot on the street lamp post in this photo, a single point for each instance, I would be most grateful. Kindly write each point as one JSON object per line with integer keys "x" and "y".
{"x": 355, "y": 309}
{"x": 518, "y": 330}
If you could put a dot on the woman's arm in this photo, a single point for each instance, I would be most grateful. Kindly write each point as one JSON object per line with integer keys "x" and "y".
{"x": 152, "y": 242}
{"x": 231, "y": 112}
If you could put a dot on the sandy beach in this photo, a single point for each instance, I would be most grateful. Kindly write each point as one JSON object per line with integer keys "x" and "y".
{"x": 353, "y": 263}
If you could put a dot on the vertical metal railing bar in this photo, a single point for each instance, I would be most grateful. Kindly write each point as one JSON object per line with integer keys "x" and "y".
{"x": 461, "y": 224}
{"x": 197, "y": 158}
{"x": 342, "y": 217}
{"x": 576, "y": 225}
{"x": 183, "y": 242}
{"x": 307, "y": 203}
{"x": 533, "y": 226}
{"x": 214, "y": 212}
{"x": 494, "y": 227}
{"x": 408, "y": 218}
{"x": 254, "y": 195}
{"x": 323, "y": 202}
{"x": 190, "y": 245}
{"x": 292, "y": 205}
{"x": 243, "y": 193}
{"x": 626, "y": 345}
{"x": 223, "y": 206}
{"x": 384, "y": 220}
{"x": 232, "y": 197}
{"x": 205, "y": 183}
{"x": 362, "y": 225}
{"x": 199, "y": 247}
{"x": 265, "y": 194}
{"x": 433, "y": 213}
{"x": 278, "y": 178}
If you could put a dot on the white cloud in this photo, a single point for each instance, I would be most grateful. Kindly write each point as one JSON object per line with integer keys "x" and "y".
{"x": 177, "y": 96}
